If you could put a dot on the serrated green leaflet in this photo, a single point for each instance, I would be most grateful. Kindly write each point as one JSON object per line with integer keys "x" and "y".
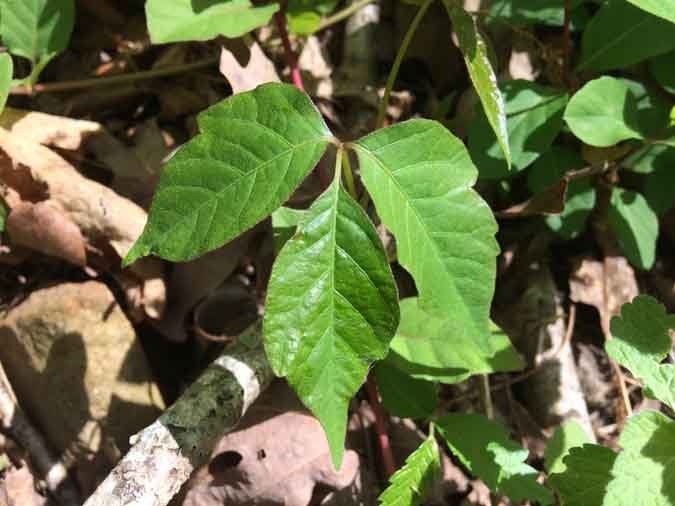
{"x": 533, "y": 120}
{"x": 641, "y": 341}
{"x": 635, "y": 225}
{"x": 662, "y": 8}
{"x": 444, "y": 230}
{"x": 36, "y": 29}
{"x": 482, "y": 75}
{"x": 6, "y": 70}
{"x": 410, "y": 484}
{"x": 567, "y": 436}
{"x": 580, "y": 195}
{"x": 621, "y": 34}
{"x": 444, "y": 350}
{"x": 185, "y": 20}
{"x": 641, "y": 474}
{"x": 253, "y": 151}
{"x": 331, "y": 310}
{"x": 484, "y": 447}
{"x": 584, "y": 481}
{"x": 402, "y": 394}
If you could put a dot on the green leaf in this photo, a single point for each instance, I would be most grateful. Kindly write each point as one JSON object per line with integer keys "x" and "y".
{"x": 481, "y": 73}
{"x": 663, "y": 8}
{"x": 444, "y": 230}
{"x": 621, "y": 34}
{"x": 6, "y": 70}
{"x": 587, "y": 474}
{"x": 641, "y": 474}
{"x": 284, "y": 222}
{"x": 641, "y": 341}
{"x": 658, "y": 189}
{"x": 636, "y": 226}
{"x": 534, "y": 119}
{"x": 404, "y": 395}
{"x": 651, "y": 158}
{"x": 304, "y": 16}
{"x": 254, "y": 150}
{"x": 662, "y": 70}
{"x": 484, "y": 447}
{"x": 186, "y": 20}
{"x": 442, "y": 349}
{"x": 3, "y": 214}
{"x": 529, "y": 12}
{"x": 602, "y": 113}
{"x": 580, "y": 195}
{"x": 331, "y": 310}
{"x": 410, "y": 484}
{"x": 36, "y": 29}
{"x": 567, "y": 436}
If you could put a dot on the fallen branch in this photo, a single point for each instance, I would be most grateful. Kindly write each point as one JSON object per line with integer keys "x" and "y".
{"x": 164, "y": 454}
{"x": 16, "y": 425}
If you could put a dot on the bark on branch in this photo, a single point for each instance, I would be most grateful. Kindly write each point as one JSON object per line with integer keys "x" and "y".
{"x": 164, "y": 454}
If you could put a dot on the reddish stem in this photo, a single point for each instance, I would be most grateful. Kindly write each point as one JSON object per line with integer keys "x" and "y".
{"x": 291, "y": 57}
{"x": 380, "y": 427}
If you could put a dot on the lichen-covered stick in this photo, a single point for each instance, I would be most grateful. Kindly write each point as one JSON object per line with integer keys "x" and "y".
{"x": 164, "y": 454}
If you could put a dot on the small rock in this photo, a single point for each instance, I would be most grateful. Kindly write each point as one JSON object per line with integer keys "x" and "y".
{"x": 79, "y": 372}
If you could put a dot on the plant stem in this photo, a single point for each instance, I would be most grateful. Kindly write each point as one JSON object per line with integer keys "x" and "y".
{"x": 486, "y": 396}
{"x": 393, "y": 73}
{"x": 291, "y": 57}
{"x": 79, "y": 84}
{"x": 349, "y": 176}
{"x": 343, "y": 14}
{"x": 380, "y": 427}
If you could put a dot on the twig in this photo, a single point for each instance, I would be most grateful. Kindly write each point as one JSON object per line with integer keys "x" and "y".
{"x": 380, "y": 427}
{"x": 16, "y": 425}
{"x": 393, "y": 73}
{"x": 144, "y": 75}
{"x": 486, "y": 396}
{"x": 291, "y": 57}
{"x": 164, "y": 454}
{"x": 343, "y": 14}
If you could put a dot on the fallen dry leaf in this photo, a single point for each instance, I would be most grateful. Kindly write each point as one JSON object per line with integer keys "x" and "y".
{"x": 258, "y": 70}
{"x": 46, "y": 228}
{"x": 279, "y": 456}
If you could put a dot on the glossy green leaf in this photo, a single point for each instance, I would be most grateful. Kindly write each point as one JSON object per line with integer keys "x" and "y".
{"x": 410, "y": 484}
{"x": 36, "y": 29}
{"x": 482, "y": 75}
{"x": 641, "y": 474}
{"x": 444, "y": 350}
{"x": 641, "y": 342}
{"x": 621, "y": 34}
{"x": 331, "y": 310}
{"x": 485, "y": 448}
{"x": 253, "y": 151}
{"x": 635, "y": 225}
{"x": 607, "y": 111}
{"x": 6, "y": 70}
{"x": 663, "y": 8}
{"x": 444, "y": 231}
{"x": 534, "y": 119}
{"x": 186, "y": 20}
{"x": 587, "y": 474}
{"x": 658, "y": 191}
{"x": 526, "y": 12}
{"x": 284, "y": 222}
{"x": 402, "y": 394}
{"x": 580, "y": 195}
{"x": 662, "y": 68}
{"x": 567, "y": 436}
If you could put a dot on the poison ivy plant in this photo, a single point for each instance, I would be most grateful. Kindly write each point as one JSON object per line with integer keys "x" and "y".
{"x": 482, "y": 75}
{"x": 36, "y": 29}
{"x": 410, "y": 484}
{"x": 534, "y": 119}
{"x": 185, "y": 20}
{"x": 484, "y": 447}
{"x": 621, "y": 34}
{"x": 332, "y": 304}
{"x": 304, "y": 16}
{"x": 662, "y": 70}
{"x": 6, "y": 69}
{"x": 404, "y": 395}
{"x": 568, "y": 436}
{"x": 636, "y": 226}
{"x": 661, "y": 8}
